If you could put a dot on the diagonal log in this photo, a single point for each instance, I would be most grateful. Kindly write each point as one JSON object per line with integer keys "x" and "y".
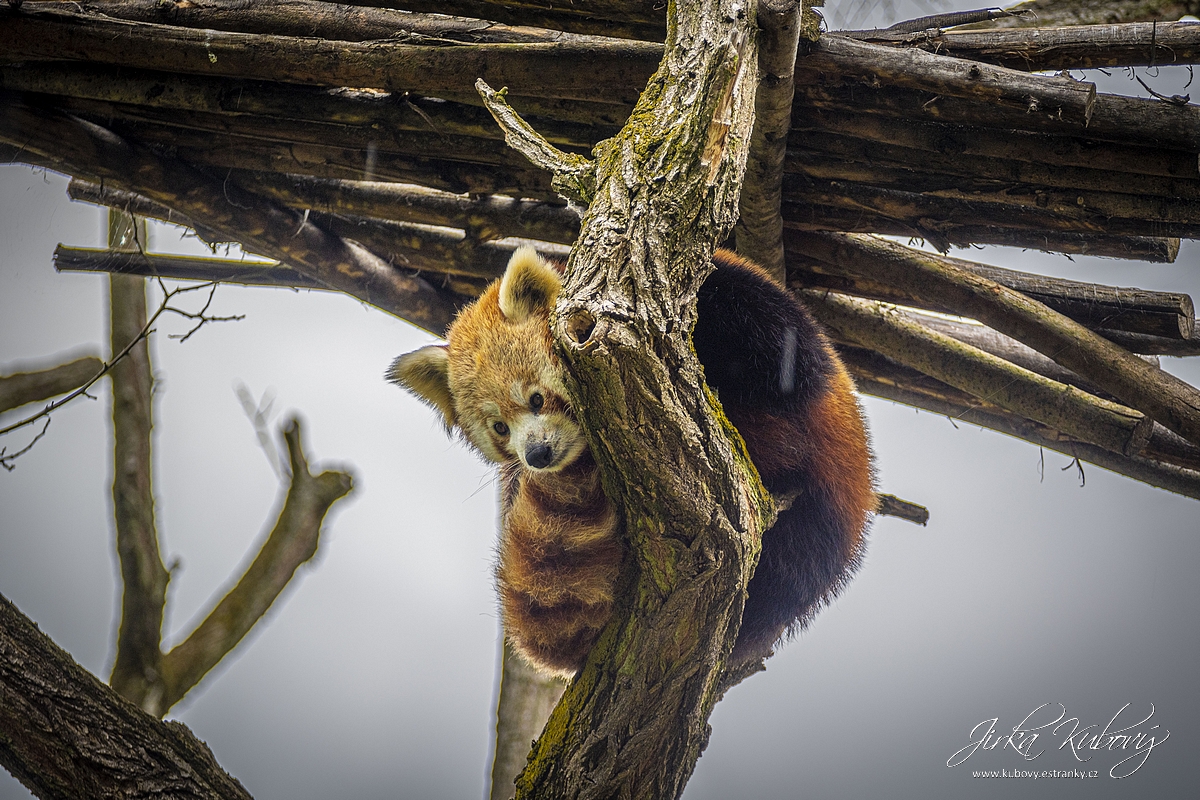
{"x": 881, "y": 377}
{"x": 1100, "y": 307}
{"x": 994, "y": 380}
{"x": 1158, "y": 394}
{"x": 272, "y": 230}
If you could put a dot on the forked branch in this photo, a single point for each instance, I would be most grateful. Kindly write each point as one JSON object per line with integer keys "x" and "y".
{"x": 291, "y": 543}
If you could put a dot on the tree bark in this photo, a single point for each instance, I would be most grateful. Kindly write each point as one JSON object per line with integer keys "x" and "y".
{"x": 633, "y": 723}
{"x": 67, "y": 736}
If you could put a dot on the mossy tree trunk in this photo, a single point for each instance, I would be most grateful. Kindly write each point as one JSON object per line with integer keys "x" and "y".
{"x": 661, "y": 195}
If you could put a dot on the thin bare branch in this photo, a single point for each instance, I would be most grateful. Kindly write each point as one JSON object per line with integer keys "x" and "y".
{"x": 291, "y": 543}
{"x": 163, "y": 308}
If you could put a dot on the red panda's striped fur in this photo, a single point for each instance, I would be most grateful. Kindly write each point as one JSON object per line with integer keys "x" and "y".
{"x": 498, "y": 381}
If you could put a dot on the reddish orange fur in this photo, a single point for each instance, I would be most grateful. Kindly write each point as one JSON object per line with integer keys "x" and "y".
{"x": 561, "y": 548}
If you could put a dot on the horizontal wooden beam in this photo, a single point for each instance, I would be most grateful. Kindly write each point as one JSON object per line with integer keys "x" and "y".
{"x": 1132, "y": 44}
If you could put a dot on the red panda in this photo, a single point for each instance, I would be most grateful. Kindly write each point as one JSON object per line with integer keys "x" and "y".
{"x": 499, "y": 382}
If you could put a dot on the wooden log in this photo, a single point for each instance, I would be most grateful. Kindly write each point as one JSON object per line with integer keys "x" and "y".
{"x": 1038, "y": 13}
{"x": 826, "y": 218}
{"x": 1059, "y": 98}
{"x": 1080, "y": 415}
{"x": 1156, "y": 393}
{"x": 880, "y": 376}
{"x": 382, "y": 111}
{"x": 1009, "y": 349}
{"x": 933, "y": 149}
{"x": 1129, "y": 122}
{"x": 78, "y": 147}
{"x": 1083, "y": 205}
{"x": 884, "y": 382}
{"x": 346, "y": 22}
{"x": 1133, "y": 44}
{"x": 972, "y": 141}
{"x": 628, "y": 19}
{"x": 1156, "y": 345}
{"x": 936, "y": 216}
{"x": 225, "y": 153}
{"x": 251, "y": 273}
{"x": 1097, "y": 306}
{"x": 615, "y": 73}
{"x": 154, "y": 125}
{"x": 484, "y": 218}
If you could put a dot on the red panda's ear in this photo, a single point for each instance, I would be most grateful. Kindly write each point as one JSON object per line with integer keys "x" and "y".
{"x": 529, "y": 286}
{"x": 426, "y": 373}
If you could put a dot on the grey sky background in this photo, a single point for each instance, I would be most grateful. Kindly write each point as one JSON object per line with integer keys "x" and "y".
{"x": 374, "y": 676}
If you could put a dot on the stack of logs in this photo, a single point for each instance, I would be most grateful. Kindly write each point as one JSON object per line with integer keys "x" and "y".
{"x": 347, "y": 143}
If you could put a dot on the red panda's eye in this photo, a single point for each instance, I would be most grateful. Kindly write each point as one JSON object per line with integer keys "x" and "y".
{"x": 536, "y": 401}
{"x": 500, "y": 428}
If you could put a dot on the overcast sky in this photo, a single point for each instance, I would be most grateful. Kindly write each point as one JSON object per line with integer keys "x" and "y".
{"x": 374, "y": 675}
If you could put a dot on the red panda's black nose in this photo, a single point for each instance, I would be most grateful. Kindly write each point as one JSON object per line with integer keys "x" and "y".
{"x": 539, "y": 456}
